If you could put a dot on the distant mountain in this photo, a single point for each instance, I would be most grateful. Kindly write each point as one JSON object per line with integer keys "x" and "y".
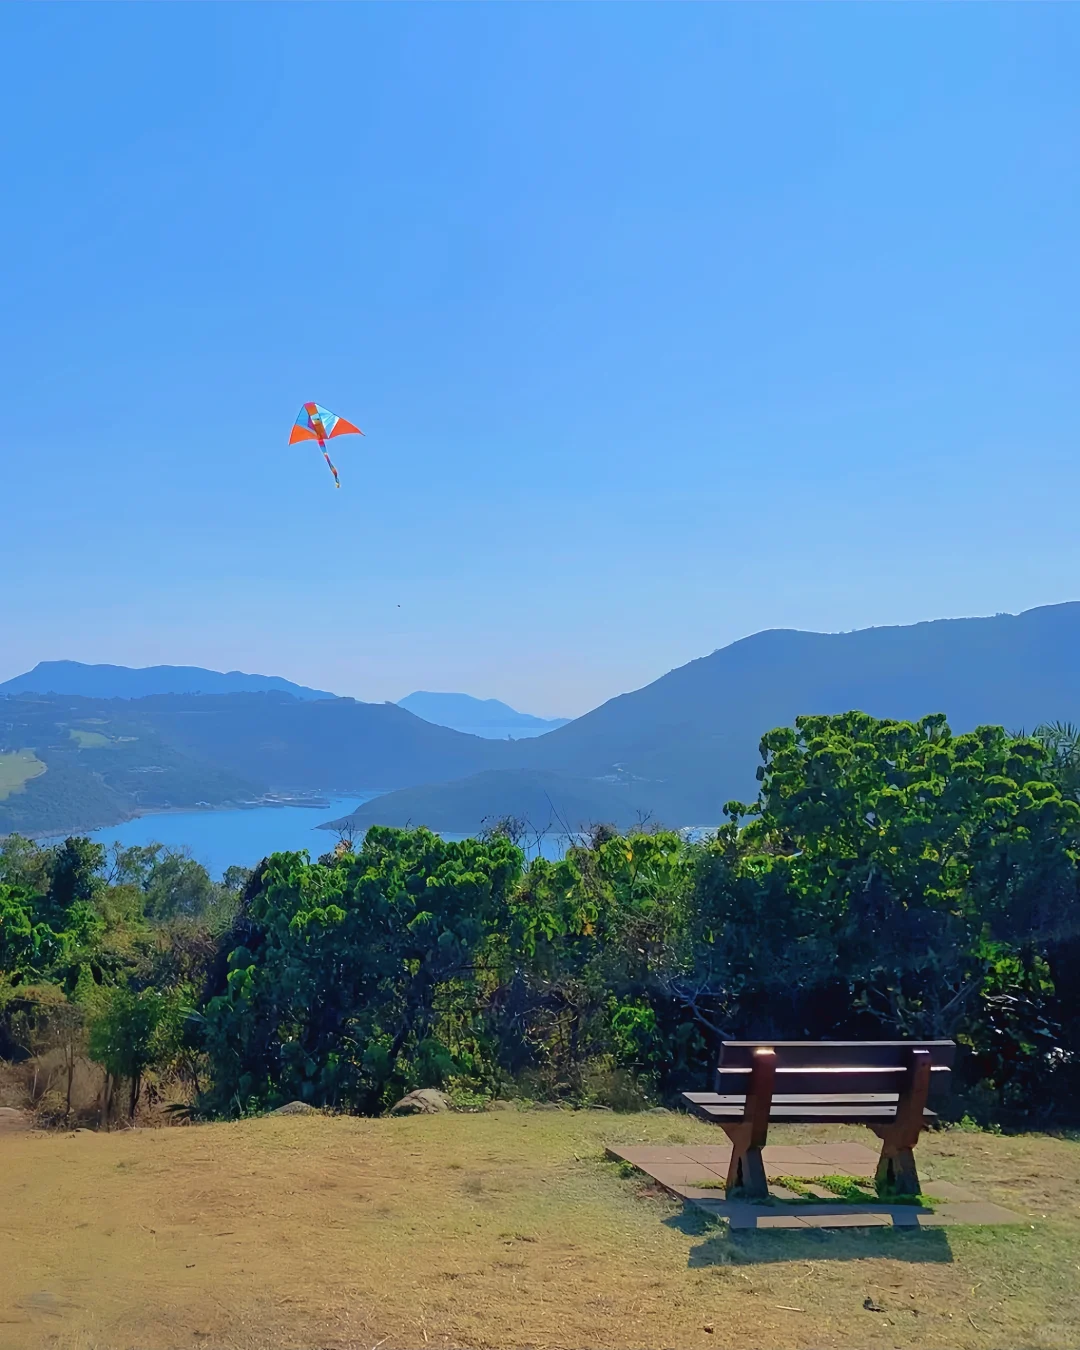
{"x": 69, "y": 763}
{"x": 480, "y": 716}
{"x": 334, "y": 745}
{"x": 694, "y": 733}
{"x": 93, "y": 681}
{"x": 546, "y": 802}
{"x": 687, "y": 743}
{"x": 678, "y": 748}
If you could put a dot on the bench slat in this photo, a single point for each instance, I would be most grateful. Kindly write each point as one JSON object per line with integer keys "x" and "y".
{"x": 834, "y": 1078}
{"x": 793, "y": 1054}
{"x": 807, "y": 1110}
{"x": 793, "y": 1098}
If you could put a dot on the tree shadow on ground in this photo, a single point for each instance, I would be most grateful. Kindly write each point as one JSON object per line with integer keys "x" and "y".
{"x": 723, "y": 1245}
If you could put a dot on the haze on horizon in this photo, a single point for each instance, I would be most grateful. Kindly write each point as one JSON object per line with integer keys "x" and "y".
{"x": 665, "y": 325}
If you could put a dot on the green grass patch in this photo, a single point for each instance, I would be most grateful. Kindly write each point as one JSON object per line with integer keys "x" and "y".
{"x": 17, "y": 767}
{"x": 851, "y": 1190}
{"x": 88, "y": 740}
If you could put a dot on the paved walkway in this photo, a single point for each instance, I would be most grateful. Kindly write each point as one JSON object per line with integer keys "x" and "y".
{"x": 697, "y": 1174}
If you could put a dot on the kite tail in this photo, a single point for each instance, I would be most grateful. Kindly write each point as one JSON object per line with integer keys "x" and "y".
{"x": 329, "y": 464}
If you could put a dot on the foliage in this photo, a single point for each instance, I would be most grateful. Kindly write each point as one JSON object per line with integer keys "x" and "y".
{"x": 110, "y": 945}
{"x": 341, "y": 972}
{"x": 890, "y": 880}
{"x": 130, "y": 1031}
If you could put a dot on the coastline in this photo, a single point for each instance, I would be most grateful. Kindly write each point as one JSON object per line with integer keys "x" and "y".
{"x": 277, "y": 800}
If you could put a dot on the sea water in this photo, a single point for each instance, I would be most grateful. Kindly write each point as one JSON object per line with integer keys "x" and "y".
{"x": 243, "y": 836}
{"x": 240, "y": 837}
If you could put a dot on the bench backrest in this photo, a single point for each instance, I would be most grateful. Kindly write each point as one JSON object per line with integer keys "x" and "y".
{"x": 814, "y": 1068}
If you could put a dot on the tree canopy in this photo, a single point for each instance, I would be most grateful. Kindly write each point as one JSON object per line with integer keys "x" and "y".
{"x": 889, "y": 880}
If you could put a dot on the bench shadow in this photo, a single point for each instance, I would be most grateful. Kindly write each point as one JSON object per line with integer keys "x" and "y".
{"x": 722, "y": 1245}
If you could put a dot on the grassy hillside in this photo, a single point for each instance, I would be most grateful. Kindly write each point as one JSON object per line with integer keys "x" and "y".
{"x": 99, "y": 762}
{"x": 104, "y": 759}
{"x": 502, "y": 1229}
{"x": 17, "y": 768}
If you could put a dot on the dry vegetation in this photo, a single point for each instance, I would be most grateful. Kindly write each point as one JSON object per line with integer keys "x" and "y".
{"x": 504, "y": 1229}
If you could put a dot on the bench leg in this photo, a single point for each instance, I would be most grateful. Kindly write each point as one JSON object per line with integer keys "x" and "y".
{"x": 896, "y": 1170}
{"x": 746, "y": 1171}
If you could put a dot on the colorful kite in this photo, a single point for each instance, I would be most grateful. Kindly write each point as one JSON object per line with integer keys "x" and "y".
{"x": 319, "y": 424}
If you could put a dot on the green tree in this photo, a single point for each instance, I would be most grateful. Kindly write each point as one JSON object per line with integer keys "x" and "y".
{"x": 889, "y": 866}
{"x": 336, "y": 971}
{"x": 28, "y": 946}
{"x": 129, "y": 1032}
{"x": 590, "y": 939}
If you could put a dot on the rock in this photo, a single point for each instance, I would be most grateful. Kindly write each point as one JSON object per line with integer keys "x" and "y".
{"x": 657, "y": 1111}
{"x": 423, "y": 1102}
{"x": 500, "y": 1104}
{"x": 11, "y": 1120}
{"x": 295, "y": 1109}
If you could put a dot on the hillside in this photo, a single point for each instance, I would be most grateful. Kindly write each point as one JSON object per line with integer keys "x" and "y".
{"x": 479, "y": 716}
{"x": 105, "y": 759}
{"x": 690, "y": 738}
{"x": 338, "y": 745}
{"x": 545, "y": 802}
{"x": 99, "y": 681}
{"x": 90, "y": 762}
{"x": 686, "y": 743}
{"x": 693, "y": 734}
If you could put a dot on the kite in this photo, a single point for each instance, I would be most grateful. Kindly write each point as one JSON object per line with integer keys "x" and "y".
{"x": 315, "y": 423}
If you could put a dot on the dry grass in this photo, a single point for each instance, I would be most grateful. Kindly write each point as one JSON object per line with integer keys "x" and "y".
{"x": 89, "y": 740}
{"x": 506, "y": 1230}
{"x": 17, "y": 767}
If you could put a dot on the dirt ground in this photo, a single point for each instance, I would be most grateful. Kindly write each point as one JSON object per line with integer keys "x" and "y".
{"x": 507, "y": 1229}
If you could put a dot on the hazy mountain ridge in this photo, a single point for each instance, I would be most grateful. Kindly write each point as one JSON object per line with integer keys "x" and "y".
{"x": 487, "y": 717}
{"x": 106, "y": 681}
{"x": 680, "y": 747}
{"x": 690, "y": 739}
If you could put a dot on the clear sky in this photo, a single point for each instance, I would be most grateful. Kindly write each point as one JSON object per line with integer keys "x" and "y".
{"x": 665, "y": 323}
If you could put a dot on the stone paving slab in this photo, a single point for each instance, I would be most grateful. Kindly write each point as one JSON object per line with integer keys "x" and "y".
{"x": 684, "y": 1174}
{"x": 712, "y": 1155}
{"x": 676, "y": 1169}
{"x": 642, "y": 1154}
{"x": 947, "y": 1190}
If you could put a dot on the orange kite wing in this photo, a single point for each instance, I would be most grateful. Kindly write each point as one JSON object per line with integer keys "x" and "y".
{"x": 301, "y": 434}
{"x": 342, "y": 428}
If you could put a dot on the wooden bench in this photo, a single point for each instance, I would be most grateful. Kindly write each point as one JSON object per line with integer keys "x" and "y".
{"x": 885, "y": 1085}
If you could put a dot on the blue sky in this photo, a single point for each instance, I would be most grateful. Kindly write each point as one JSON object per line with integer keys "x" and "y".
{"x": 665, "y": 324}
